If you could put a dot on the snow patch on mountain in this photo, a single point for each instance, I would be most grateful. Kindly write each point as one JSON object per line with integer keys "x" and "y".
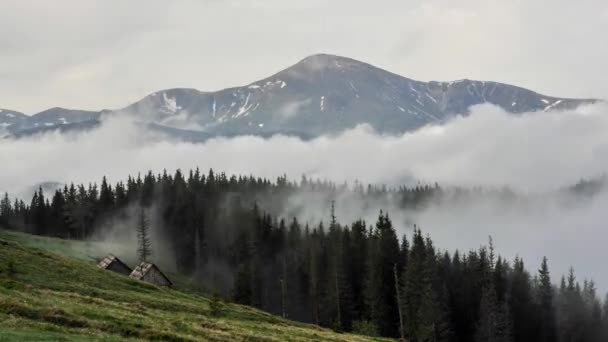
{"x": 553, "y": 105}
{"x": 170, "y": 104}
{"x": 245, "y": 107}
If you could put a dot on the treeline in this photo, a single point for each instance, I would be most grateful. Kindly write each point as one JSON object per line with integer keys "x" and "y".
{"x": 196, "y": 202}
{"x": 225, "y": 232}
{"x": 365, "y": 279}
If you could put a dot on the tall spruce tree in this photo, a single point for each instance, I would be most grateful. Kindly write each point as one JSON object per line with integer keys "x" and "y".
{"x": 548, "y": 332}
{"x": 385, "y": 313}
{"x": 522, "y": 304}
{"x": 424, "y": 313}
{"x": 144, "y": 245}
{"x": 494, "y": 323}
{"x": 6, "y": 210}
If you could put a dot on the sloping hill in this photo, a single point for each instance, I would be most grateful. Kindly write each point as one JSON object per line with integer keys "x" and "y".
{"x": 45, "y": 296}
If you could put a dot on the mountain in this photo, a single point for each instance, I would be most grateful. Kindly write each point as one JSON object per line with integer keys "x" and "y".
{"x": 9, "y": 118}
{"x": 52, "y": 118}
{"x": 326, "y": 94}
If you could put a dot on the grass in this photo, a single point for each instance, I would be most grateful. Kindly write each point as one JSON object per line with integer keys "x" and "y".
{"x": 47, "y": 296}
{"x": 89, "y": 251}
{"x": 82, "y": 250}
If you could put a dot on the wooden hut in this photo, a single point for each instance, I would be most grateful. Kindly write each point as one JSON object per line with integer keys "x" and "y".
{"x": 151, "y": 273}
{"x": 112, "y": 263}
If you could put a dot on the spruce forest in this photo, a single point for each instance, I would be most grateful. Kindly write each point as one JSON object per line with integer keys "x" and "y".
{"x": 234, "y": 235}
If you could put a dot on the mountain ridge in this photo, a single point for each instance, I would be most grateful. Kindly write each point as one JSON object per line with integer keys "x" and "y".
{"x": 321, "y": 94}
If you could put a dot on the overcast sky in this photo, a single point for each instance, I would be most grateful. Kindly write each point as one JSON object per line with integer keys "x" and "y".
{"x": 95, "y": 54}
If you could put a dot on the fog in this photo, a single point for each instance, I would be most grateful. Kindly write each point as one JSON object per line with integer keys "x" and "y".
{"x": 535, "y": 154}
{"x": 569, "y": 235}
{"x": 118, "y": 236}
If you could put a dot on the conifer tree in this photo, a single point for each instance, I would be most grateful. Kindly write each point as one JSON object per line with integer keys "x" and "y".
{"x": 106, "y": 196}
{"x": 522, "y": 304}
{"x": 604, "y": 332}
{"x": 547, "y": 312}
{"x": 57, "y": 212}
{"x": 144, "y": 246}
{"x": 494, "y": 322}
{"x": 6, "y": 210}
{"x": 415, "y": 284}
{"x": 384, "y": 304}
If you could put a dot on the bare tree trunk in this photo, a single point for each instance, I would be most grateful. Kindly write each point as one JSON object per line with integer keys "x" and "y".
{"x": 398, "y": 294}
{"x": 197, "y": 250}
{"x": 313, "y": 285}
{"x": 284, "y": 289}
{"x": 315, "y": 304}
{"x": 283, "y": 313}
{"x": 338, "y": 298}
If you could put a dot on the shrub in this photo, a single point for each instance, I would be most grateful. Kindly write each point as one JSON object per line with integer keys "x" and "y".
{"x": 216, "y": 306}
{"x": 365, "y": 328}
{"x": 11, "y": 269}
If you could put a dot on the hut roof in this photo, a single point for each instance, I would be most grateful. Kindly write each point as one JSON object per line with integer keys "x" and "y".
{"x": 143, "y": 268}
{"x": 112, "y": 263}
{"x": 109, "y": 260}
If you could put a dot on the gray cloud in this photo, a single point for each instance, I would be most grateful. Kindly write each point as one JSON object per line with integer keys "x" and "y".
{"x": 536, "y": 153}
{"x": 99, "y": 54}
{"x": 569, "y": 231}
{"x": 533, "y": 152}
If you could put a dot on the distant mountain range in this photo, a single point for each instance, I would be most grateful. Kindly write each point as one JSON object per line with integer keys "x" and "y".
{"x": 322, "y": 94}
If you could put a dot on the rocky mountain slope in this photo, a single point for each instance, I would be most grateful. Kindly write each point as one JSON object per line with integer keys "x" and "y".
{"x": 322, "y": 94}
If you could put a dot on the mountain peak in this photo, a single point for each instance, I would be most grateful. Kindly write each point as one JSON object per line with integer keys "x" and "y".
{"x": 54, "y": 109}
{"x": 320, "y": 94}
{"x": 325, "y": 57}
{"x": 323, "y": 61}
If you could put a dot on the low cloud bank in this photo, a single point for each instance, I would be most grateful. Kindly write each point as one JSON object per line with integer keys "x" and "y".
{"x": 531, "y": 152}
{"x": 536, "y": 154}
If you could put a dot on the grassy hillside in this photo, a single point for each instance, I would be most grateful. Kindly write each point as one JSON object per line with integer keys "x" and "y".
{"x": 82, "y": 250}
{"x": 46, "y": 296}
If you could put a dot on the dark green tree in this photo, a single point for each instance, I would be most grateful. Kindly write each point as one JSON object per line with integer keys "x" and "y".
{"x": 144, "y": 245}
{"x": 548, "y": 331}
{"x": 385, "y": 314}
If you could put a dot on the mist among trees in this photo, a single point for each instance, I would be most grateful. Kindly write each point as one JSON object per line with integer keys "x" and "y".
{"x": 227, "y": 233}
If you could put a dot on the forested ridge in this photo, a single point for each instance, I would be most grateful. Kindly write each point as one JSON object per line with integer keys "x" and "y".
{"x": 351, "y": 276}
